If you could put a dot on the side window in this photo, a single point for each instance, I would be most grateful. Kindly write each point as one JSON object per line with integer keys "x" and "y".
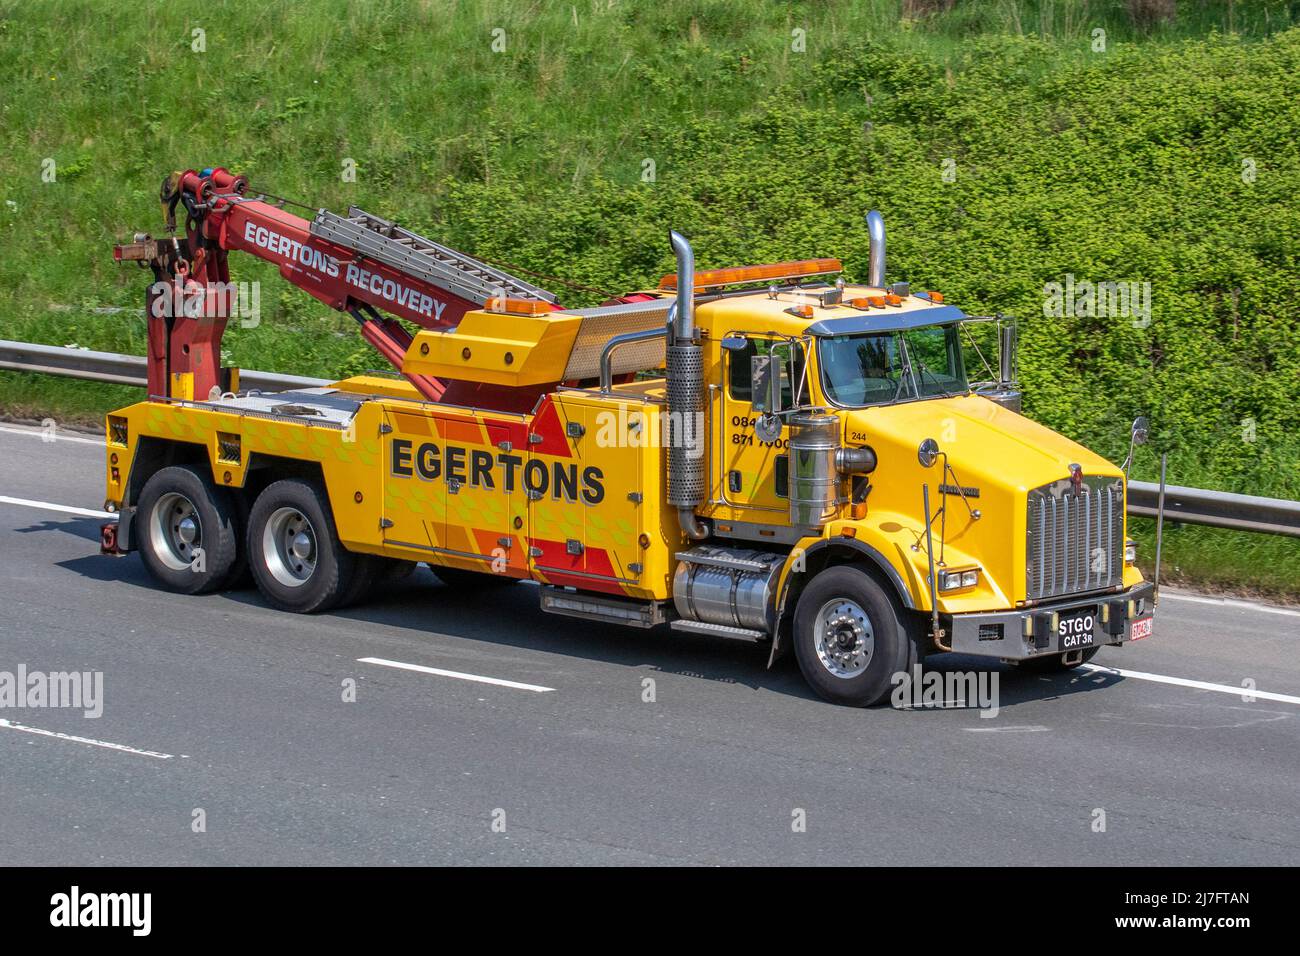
{"x": 740, "y": 384}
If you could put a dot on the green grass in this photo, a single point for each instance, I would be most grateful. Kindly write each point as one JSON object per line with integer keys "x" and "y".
{"x": 1236, "y": 562}
{"x": 1122, "y": 164}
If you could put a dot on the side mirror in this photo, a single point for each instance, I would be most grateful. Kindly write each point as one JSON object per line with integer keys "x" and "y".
{"x": 1141, "y": 430}
{"x": 735, "y": 343}
{"x": 1007, "y": 377}
{"x": 765, "y": 378}
{"x": 927, "y": 453}
{"x": 1137, "y": 435}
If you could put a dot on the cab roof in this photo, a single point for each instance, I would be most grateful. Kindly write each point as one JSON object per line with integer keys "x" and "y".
{"x": 757, "y": 312}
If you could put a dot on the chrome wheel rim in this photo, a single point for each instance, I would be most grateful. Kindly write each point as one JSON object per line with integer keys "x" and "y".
{"x": 289, "y": 547}
{"x": 843, "y": 638}
{"x": 175, "y": 531}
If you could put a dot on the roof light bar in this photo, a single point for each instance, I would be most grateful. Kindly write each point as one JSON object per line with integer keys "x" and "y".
{"x": 773, "y": 272}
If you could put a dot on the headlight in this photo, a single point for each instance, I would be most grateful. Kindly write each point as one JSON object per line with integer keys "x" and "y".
{"x": 1130, "y": 552}
{"x": 954, "y": 580}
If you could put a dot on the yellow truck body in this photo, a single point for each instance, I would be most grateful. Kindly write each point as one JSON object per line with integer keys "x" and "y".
{"x": 574, "y": 493}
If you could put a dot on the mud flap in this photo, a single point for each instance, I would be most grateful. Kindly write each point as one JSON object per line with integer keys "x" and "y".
{"x": 781, "y": 640}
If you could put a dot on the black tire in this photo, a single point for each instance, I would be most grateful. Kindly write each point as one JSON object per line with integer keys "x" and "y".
{"x": 373, "y": 570}
{"x": 177, "y": 503}
{"x": 240, "y": 576}
{"x": 1055, "y": 663}
{"x": 396, "y": 569}
{"x": 848, "y": 600}
{"x": 365, "y": 575}
{"x": 460, "y": 579}
{"x": 321, "y": 573}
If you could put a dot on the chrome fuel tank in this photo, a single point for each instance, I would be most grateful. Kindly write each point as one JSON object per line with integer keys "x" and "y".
{"x": 732, "y": 587}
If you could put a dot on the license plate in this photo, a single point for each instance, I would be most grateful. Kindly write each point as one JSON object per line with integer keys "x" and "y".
{"x": 1076, "y": 628}
{"x": 1139, "y": 629}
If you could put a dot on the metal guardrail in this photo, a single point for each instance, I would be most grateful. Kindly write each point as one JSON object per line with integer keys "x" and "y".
{"x": 121, "y": 369}
{"x": 1218, "y": 509}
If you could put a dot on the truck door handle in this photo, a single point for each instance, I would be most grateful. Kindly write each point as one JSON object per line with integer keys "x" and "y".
{"x": 733, "y": 482}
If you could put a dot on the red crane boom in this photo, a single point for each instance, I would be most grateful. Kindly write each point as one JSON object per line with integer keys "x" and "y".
{"x": 360, "y": 264}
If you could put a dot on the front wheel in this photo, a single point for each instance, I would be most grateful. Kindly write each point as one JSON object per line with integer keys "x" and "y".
{"x": 849, "y": 638}
{"x": 294, "y": 550}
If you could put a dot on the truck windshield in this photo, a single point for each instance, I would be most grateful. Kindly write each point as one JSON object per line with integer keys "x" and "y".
{"x": 875, "y": 368}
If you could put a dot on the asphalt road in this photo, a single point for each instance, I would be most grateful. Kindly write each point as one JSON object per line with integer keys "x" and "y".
{"x": 238, "y": 711}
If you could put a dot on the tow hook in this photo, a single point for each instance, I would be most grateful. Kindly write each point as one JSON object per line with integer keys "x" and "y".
{"x": 108, "y": 540}
{"x": 1072, "y": 657}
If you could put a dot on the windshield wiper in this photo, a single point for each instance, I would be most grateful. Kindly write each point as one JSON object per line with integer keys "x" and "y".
{"x": 907, "y": 372}
{"x": 934, "y": 378}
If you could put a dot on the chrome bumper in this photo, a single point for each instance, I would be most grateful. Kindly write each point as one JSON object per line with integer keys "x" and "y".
{"x": 1033, "y": 632}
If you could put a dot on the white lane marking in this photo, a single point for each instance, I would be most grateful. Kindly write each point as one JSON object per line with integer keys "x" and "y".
{"x": 52, "y": 436}
{"x": 437, "y": 672}
{"x": 11, "y": 725}
{"x": 1195, "y": 684}
{"x": 1228, "y": 602}
{"x": 1026, "y": 729}
{"x": 49, "y": 506}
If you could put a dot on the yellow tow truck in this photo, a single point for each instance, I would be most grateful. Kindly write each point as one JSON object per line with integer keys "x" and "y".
{"x": 768, "y": 454}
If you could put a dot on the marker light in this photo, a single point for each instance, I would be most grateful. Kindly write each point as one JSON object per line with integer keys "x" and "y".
{"x": 517, "y": 306}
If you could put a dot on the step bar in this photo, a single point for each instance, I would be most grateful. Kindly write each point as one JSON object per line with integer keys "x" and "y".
{"x": 612, "y": 610}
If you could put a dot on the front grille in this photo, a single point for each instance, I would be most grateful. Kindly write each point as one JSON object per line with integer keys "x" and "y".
{"x": 1074, "y": 540}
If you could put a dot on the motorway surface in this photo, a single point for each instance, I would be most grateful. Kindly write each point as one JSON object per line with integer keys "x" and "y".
{"x": 225, "y": 706}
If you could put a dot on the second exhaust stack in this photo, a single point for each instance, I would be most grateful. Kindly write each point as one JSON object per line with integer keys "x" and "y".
{"x": 876, "y": 263}
{"x": 684, "y": 360}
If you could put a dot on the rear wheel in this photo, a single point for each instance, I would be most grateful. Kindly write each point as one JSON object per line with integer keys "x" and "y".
{"x": 372, "y": 571}
{"x": 396, "y": 569}
{"x": 240, "y": 577}
{"x": 189, "y": 541}
{"x": 294, "y": 551}
{"x": 849, "y": 637}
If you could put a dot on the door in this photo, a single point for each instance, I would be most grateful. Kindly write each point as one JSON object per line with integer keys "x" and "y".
{"x": 452, "y": 487}
{"x": 486, "y": 530}
{"x": 755, "y": 473}
{"x": 585, "y": 495}
{"x": 415, "y": 497}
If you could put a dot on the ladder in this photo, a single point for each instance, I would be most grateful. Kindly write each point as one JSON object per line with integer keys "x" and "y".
{"x": 386, "y": 242}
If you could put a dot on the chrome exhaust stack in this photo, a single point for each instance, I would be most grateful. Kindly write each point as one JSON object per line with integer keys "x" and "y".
{"x": 684, "y": 361}
{"x": 876, "y": 263}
